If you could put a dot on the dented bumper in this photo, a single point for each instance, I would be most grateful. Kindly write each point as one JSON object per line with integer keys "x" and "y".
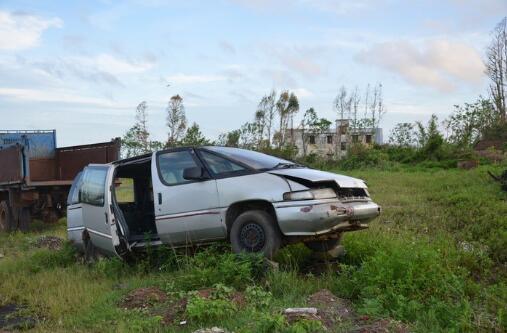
{"x": 317, "y": 217}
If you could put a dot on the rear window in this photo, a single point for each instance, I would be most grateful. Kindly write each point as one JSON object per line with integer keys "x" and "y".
{"x": 73, "y": 197}
{"x": 92, "y": 190}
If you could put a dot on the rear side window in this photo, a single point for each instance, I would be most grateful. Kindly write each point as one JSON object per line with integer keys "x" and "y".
{"x": 172, "y": 164}
{"x": 73, "y": 197}
{"x": 93, "y": 186}
{"x": 219, "y": 165}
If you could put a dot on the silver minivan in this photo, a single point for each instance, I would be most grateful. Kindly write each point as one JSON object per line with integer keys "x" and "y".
{"x": 194, "y": 195}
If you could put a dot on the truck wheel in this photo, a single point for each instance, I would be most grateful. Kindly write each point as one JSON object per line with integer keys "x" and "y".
{"x": 25, "y": 219}
{"x": 255, "y": 231}
{"x": 6, "y": 218}
{"x": 323, "y": 246}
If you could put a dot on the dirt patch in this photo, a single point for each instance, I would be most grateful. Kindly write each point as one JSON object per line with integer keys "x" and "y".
{"x": 173, "y": 312}
{"x": 49, "y": 242}
{"x": 11, "y": 318}
{"x": 237, "y": 297}
{"x": 143, "y": 298}
{"x": 331, "y": 309}
{"x": 334, "y": 312}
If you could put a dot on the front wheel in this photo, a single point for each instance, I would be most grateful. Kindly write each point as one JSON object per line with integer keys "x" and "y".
{"x": 255, "y": 231}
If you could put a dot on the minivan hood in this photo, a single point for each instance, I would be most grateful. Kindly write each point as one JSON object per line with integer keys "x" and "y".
{"x": 320, "y": 176}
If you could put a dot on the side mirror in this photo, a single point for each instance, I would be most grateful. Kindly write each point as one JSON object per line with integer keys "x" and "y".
{"x": 194, "y": 173}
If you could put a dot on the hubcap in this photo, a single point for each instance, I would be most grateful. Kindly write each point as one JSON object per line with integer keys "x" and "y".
{"x": 252, "y": 237}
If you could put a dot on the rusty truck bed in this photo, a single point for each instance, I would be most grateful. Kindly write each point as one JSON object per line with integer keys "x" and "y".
{"x": 55, "y": 171}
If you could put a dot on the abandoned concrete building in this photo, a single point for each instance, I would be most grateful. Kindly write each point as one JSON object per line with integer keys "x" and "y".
{"x": 336, "y": 142}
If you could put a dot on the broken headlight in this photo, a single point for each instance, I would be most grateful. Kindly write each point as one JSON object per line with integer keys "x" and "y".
{"x": 323, "y": 193}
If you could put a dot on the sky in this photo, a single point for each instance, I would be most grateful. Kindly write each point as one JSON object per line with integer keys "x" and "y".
{"x": 81, "y": 67}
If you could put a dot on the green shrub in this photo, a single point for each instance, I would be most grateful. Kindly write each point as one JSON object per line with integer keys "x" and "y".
{"x": 409, "y": 280}
{"x": 209, "y": 267}
{"x": 48, "y": 259}
{"x": 207, "y": 310}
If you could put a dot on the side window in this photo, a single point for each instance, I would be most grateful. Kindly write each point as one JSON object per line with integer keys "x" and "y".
{"x": 172, "y": 164}
{"x": 124, "y": 190}
{"x": 73, "y": 197}
{"x": 220, "y": 165}
{"x": 93, "y": 186}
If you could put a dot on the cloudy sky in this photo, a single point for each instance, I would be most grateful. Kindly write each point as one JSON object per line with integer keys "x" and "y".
{"x": 82, "y": 67}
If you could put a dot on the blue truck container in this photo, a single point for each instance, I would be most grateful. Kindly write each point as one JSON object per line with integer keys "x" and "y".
{"x": 36, "y": 175}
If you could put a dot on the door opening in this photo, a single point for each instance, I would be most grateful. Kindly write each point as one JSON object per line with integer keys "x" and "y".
{"x": 133, "y": 196}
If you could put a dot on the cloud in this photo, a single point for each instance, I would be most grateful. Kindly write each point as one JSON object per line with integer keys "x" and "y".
{"x": 439, "y": 64}
{"x": 21, "y": 31}
{"x": 110, "y": 64}
{"x": 302, "y": 92}
{"x": 227, "y": 47}
{"x": 102, "y": 68}
{"x": 338, "y": 7}
{"x": 298, "y": 59}
{"x": 192, "y": 78}
{"x": 58, "y": 95}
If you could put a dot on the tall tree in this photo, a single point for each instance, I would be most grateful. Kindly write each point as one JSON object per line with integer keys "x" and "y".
{"x": 342, "y": 104}
{"x": 141, "y": 121}
{"x": 282, "y": 106}
{"x": 496, "y": 68}
{"x": 260, "y": 122}
{"x": 176, "y": 120}
{"x": 267, "y": 106}
{"x": 136, "y": 140}
{"x": 402, "y": 135}
{"x": 293, "y": 108}
{"x": 194, "y": 137}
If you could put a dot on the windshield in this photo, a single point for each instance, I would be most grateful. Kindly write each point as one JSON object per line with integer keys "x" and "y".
{"x": 253, "y": 159}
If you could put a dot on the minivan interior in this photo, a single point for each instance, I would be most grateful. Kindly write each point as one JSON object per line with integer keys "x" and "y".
{"x": 133, "y": 200}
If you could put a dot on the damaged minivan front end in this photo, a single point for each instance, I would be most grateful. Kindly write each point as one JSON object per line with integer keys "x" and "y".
{"x": 321, "y": 203}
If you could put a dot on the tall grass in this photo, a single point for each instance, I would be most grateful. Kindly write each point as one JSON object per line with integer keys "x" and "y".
{"x": 435, "y": 259}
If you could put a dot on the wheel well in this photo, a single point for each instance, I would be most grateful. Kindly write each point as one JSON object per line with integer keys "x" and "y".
{"x": 238, "y": 208}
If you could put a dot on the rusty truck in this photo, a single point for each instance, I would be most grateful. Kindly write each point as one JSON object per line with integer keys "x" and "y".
{"x": 36, "y": 176}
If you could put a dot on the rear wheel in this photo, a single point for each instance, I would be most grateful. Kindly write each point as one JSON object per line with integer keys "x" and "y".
{"x": 6, "y": 218}
{"x": 255, "y": 231}
{"x": 323, "y": 245}
{"x": 25, "y": 218}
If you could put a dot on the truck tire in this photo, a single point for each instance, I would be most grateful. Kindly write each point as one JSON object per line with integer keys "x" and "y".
{"x": 323, "y": 245}
{"x": 6, "y": 219}
{"x": 255, "y": 231}
{"x": 25, "y": 219}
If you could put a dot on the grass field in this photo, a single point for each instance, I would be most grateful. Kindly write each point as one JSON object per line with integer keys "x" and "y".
{"x": 435, "y": 260}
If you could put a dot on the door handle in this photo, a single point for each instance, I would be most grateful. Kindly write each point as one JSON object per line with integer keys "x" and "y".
{"x": 159, "y": 198}
{"x": 107, "y": 222}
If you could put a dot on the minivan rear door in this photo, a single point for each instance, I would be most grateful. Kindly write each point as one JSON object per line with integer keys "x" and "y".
{"x": 75, "y": 225}
{"x": 95, "y": 198}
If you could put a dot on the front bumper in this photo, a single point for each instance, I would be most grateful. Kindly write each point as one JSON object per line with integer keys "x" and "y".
{"x": 317, "y": 217}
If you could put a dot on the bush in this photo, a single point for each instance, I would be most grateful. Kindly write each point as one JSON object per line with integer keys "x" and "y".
{"x": 209, "y": 267}
{"x": 409, "y": 280}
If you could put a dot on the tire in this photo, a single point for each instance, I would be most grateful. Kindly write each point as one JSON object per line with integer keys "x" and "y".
{"x": 323, "y": 246}
{"x": 7, "y": 222}
{"x": 255, "y": 231}
{"x": 25, "y": 219}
